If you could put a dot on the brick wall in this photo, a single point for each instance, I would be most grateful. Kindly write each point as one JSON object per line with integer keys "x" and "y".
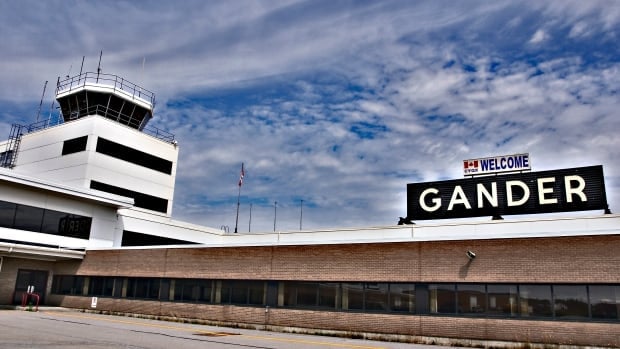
{"x": 583, "y": 259}
{"x": 524, "y": 331}
{"x": 8, "y": 275}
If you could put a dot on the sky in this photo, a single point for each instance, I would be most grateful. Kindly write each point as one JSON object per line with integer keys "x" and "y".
{"x": 334, "y": 106}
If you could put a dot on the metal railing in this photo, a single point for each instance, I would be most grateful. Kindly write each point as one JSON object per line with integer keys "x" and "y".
{"x": 114, "y": 82}
{"x": 105, "y": 112}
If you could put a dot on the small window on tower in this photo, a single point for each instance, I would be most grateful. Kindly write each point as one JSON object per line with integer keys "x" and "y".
{"x": 74, "y": 145}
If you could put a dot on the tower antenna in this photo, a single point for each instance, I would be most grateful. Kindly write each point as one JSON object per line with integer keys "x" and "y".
{"x": 82, "y": 67}
{"x": 143, "y": 62}
{"x": 41, "y": 103}
{"x": 49, "y": 117}
{"x": 99, "y": 65}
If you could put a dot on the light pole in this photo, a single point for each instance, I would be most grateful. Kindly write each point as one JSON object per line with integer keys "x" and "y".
{"x": 275, "y": 214}
{"x": 250, "y": 222}
{"x": 301, "y": 213}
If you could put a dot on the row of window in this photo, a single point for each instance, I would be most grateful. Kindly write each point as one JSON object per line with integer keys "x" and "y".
{"x": 142, "y": 200}
{"x": 41, "y": 220}
{"x": 561, "y": 302}
{"x": 122, "y": 152}
{"x": 132, "y": 238}
{"x": 119, "y": 151}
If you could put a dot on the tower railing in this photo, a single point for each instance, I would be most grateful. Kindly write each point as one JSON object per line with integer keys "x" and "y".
{"x": 114, "y": 82}
{"x": 106, "y": 112}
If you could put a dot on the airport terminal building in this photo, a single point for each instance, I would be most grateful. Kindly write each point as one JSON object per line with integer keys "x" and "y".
{"x": 85, "y": 223}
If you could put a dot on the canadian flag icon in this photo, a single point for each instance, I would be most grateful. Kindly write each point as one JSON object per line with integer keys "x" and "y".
{"x": 470, "y": 164}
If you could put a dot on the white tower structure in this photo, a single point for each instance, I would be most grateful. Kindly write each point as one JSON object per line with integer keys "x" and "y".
{"x": 102, "y": 141}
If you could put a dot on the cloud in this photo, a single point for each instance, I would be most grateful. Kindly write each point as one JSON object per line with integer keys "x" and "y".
{"x": 538, "y": 37}
{"x": 338, "y": 104}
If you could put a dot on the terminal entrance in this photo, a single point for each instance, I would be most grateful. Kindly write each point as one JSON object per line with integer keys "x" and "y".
{"x": 30, "y": 278}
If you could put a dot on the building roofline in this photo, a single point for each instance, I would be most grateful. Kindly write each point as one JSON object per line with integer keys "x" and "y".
{"x": 82, "y": 193}
{"x": 606, "y": 224}
{"x": 37, "y": 252}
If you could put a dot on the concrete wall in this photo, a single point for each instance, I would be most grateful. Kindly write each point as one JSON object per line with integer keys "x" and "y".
{"x": 103, "y": 228}
{"x": 40, "y": 155}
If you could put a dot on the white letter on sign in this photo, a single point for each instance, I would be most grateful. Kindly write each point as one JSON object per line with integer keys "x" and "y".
{"x": 526, "y": 193}
{"x": 542, "y": 191}
{"x": 491, "y": 197}
{"x": 458, "y": 197}
{"x": 436, "y": 201}
{"x": 578, "y": 191}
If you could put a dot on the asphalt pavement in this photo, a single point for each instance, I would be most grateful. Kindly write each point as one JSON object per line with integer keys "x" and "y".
{"x": 51, "y": 329}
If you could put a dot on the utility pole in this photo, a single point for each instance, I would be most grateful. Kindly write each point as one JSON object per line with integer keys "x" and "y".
{"x": 301, "y": 213}
{"x": 275, "y": 214}
{"x": 250, "y": 221}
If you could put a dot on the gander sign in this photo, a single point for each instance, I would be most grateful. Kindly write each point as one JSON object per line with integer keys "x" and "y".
{"x": 574, "y": 189}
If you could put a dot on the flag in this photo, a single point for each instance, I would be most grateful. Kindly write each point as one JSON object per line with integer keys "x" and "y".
{"x": 241, "y": 175}
{"x": 467, "y": 164}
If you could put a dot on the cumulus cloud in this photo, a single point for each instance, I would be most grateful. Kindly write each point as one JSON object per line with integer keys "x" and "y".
{"x": 336, "y": 104}
{"x": 538, "y": 37}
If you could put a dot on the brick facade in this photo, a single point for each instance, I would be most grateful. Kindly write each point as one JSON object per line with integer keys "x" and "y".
{"x": 583, "y": 259}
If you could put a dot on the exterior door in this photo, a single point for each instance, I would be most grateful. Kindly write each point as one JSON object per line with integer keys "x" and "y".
{"x": 25, "y": 278}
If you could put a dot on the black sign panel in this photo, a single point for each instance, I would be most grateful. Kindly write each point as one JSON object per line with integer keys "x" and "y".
{"x": 573, "y": 189}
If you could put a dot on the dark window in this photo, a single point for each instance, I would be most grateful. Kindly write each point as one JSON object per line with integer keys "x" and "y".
{"x": 289, "y": 292}
{"x": 140, "y": 200}
{"x": 192, "y": 290}
{"x": 239, "y": 293}
{"x": 40, "y": 220}
{"x": 145, "y": 288}
{"x": 243, "y": 292}
{"x": 101, "y": 286}
{"x": 442, "y": 298}
{"x": 310, "y": 294}
{"x": 502, "y": 300}
{"x": 605, "y": 302}
{"x": 118, "y": 287}
{"x": 60, "y": 223}
{"x": 307, "y": 294}
{"x": 134, "y": 156}
{"x": 256, "y": 292}
{"x": 164, "y": 290}
{"x": 561, "y": 302}
{"x": 570, "y": 301}
{"x": 131, "y": 238}
{"x": 472, "y": 299}
{"x": 328, "y": 293}
{"x": 353, "y": 296}
{"x": 7, "y": 214}
{"x": 402, "y": 297}
{"x": 535, "y": 300}
{"x": 376, "y": 297}
{"x": 74, "y": 145}
{"x": 28, "y": 218}
{"x": 67, "y": 284}
{"x": 6, "y": 157}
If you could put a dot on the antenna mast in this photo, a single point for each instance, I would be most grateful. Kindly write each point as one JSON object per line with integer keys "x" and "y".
{"x": 99, "y": 65}
{"x": 41, "y": 103}
{"x": 82, "y": 67}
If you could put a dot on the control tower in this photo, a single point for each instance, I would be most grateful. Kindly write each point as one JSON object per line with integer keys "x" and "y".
{"x": 101, "y": 141}
{"x": 106, "y": 95}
